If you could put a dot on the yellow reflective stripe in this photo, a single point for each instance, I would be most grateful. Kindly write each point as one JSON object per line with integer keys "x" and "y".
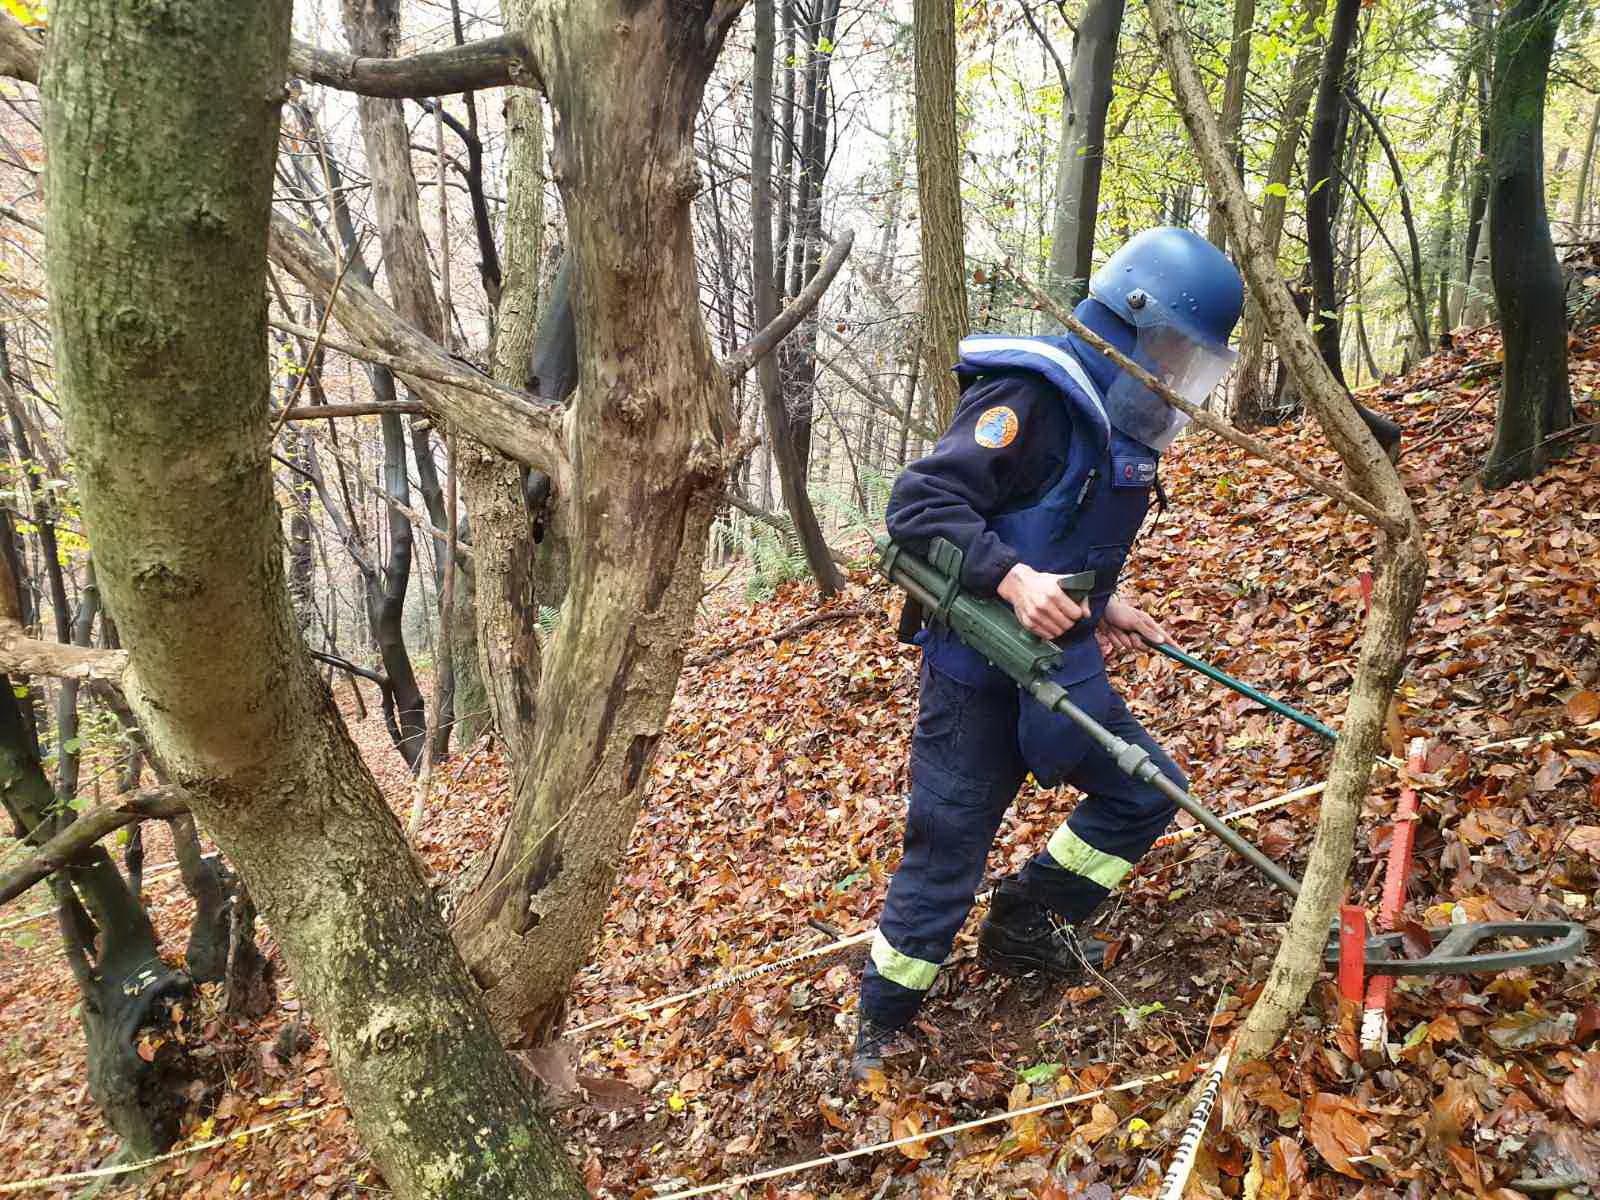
{"x": 1075, "y": 854}
{"x": 914, "y": 973}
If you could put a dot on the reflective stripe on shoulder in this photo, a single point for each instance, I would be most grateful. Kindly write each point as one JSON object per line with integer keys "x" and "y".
{"x": 1076, "y": 855}
{"x": 973, "y": 347}
{"x": 908, "y": 972}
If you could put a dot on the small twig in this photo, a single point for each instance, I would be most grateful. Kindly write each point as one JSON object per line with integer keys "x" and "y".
{"x": 766, "y": 340}
{"x": 788, "y": 631}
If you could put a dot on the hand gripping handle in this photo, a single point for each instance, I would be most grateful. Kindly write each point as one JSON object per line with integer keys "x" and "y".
{"x": 1078, "y": 586}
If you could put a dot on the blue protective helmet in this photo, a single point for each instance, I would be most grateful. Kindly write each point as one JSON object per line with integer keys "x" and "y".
{"x": 1182, "y": 297}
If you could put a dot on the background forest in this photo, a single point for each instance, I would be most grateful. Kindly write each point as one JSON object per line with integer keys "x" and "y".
{"x": 390, "y": 714}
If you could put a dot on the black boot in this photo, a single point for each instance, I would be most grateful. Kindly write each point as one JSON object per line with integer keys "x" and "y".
{"x": 1022, "y": 935}
{"x": 874, "y": 1043}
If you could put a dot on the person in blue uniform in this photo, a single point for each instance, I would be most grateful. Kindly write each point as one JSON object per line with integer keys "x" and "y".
{"x": 1048, "y": 469}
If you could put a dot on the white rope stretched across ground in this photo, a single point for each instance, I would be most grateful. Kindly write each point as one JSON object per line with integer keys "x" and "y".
{"x": 29, "y": 1185}
{"x": 927, "y": 1135}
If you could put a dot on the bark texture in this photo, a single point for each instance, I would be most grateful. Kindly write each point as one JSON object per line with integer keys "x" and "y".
{"x": 161, "y": 128}
{"x": 1535, "y": 393}
{"x": 647, "y": 429}
{"x": 944, "y": 284}
{"x": 1081, "y": 158}
{"x": 1323, "y": 180}
{"x": 1232, "y": 115}
{"x": 505, "y": 546}
{"x": 781, "y": 440}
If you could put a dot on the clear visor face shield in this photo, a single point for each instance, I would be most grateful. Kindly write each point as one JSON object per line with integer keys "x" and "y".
{"x": 1188, "y": 366}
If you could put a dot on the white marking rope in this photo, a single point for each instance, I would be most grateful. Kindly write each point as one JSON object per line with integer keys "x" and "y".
{"x": 945, "y": 1131}
{"x": 1177, "y": 1177}
{"x": 28, "y": 1185}
{"x": 726, "y": 981}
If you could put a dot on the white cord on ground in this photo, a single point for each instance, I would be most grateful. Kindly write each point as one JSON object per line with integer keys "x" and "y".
{"x": 1177, "y": 1177}
{"x": 927, "y": 1135}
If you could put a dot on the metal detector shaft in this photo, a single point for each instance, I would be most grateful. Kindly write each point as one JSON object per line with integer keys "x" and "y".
{"x": 992, "y": 629}
{"x": 1135, "y": 761}
{"x": 1243, "y": 688}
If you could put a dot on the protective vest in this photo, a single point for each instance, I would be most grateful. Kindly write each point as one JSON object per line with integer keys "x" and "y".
{"x": 1087, "y": 520}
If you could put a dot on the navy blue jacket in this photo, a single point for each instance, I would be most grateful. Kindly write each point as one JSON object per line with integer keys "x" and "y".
{"x": 963, "y": 484}
{"x": 1030, "y": 471}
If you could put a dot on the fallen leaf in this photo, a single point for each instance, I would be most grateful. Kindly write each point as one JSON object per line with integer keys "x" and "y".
{"x": 1581, "y": 1092}
{"x": 1584, "y": 708}
{"x": 1102, "y": 1120}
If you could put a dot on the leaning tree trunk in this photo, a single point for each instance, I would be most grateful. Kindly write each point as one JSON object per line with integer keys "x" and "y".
{"x": 781, "y": 432}
{"x": 1535, "y": 394}
{"x": 1081, "y": 157}
{"x": 161, "y": 132}
{"x": 1398, "y": 589}
{"x": 647, "y": 431}
{"x": 944, "y": 284}
{"x": 1323, "y": 153}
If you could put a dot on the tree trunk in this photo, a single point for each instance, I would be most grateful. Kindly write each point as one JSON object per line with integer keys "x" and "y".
{"x": 799, "y": 353}
{"x": 1322, "y": 180}
{"x": 1470, "y": 307}
{"x": 944, "y": 285}
{"x": 1416, "y": 287}
{"x": 373, "y": 30}
{"x": 1535, "y": 395}
{"x": 1232, "y": 115}
{"x": 1444, "y": 229}
{"x": 1580, "y": 200}
{"x": 505, "y": 546}
{"x": 1252, "y": 396}
{"x": 386, "y": 599}
{"x": 161, "y": 132}
{"x": 647, "y": 428}
{"x": 782, "y": 440}
{"x": 1399, "y": 585}
{"x": 1082, "y": 154}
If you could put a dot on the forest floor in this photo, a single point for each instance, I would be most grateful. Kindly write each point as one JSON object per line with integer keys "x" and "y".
{"x": 777, "y": 800}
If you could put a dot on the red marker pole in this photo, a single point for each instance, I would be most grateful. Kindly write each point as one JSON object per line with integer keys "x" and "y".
{"x": 1352, "y": 952}
{"x": 1375, "y": 1020}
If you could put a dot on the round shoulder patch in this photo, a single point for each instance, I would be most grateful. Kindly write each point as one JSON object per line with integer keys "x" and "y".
{"x": 997, "y": 427}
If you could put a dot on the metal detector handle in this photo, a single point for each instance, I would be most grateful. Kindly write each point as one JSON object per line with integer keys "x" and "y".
{"x": 1079, "y": 586}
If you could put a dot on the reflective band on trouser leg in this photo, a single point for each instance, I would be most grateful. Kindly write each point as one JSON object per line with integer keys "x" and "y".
{"x": 908, "y": 972}
{"x": 1074, "y": 854}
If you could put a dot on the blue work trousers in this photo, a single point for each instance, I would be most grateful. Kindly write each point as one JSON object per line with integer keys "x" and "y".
{"x": 966, "y": 768}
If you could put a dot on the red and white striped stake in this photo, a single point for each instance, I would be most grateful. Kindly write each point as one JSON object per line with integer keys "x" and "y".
{"x": 1375, "y": 1020}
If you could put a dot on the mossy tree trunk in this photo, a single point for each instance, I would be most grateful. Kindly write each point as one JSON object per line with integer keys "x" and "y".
{"x": 161, "y": 130}
{"x": 1535, "y": 393}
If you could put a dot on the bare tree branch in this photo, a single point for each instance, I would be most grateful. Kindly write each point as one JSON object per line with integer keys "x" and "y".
{"x": 492, "y": 62}
{"x": 20, "y": 52}
{"x": 328, "y": 412}
{"x": 766, "y": 340}
{"x": 508, "y": 421}
{"x": 89, "y": 827}
{"x": 1214, "y": 424}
